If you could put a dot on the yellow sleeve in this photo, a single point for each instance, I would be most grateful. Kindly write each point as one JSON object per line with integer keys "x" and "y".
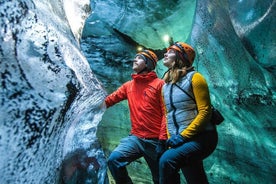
{"x": 202, "y": 98}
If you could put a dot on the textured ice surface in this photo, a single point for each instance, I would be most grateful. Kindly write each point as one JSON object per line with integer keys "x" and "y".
{"x": 49, "y": 98}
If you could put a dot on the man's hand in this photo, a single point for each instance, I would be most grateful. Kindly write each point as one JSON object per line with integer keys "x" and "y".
{"x": 103, "y": 106}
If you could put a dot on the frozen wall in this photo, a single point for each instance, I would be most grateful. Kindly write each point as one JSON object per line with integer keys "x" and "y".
{"x": 49, "y": 97}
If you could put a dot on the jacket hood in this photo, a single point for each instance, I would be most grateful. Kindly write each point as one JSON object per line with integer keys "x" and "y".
{"x": 144, "y": 77}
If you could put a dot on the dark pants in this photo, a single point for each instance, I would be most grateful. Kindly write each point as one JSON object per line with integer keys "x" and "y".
{"x": 189, "y": 158}
{"x": 130, "y": 149}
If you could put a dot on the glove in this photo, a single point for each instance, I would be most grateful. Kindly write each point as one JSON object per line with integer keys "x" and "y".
{"x": 175, "y": 141}
{"x": 161, "y": 148}
{"x": 102, "y": 106}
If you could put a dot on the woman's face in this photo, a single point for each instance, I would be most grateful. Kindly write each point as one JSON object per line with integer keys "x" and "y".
{"x": 169, "y": 58}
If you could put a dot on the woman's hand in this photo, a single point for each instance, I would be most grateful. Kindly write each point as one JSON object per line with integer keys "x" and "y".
{"x": 175, "y": 141}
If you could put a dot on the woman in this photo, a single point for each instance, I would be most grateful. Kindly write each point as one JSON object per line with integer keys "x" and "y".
{"x": 191, "y": 135}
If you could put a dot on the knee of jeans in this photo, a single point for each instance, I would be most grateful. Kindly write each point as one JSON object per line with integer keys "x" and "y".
{"x": 163, "y": 161}
{"x": 114, "y": 156}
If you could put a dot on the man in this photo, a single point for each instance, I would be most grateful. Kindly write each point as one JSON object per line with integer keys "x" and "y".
{"x": 148, "y": 131}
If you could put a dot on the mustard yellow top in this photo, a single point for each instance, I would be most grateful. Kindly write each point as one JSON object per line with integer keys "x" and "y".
{"x": 202, "y": 98}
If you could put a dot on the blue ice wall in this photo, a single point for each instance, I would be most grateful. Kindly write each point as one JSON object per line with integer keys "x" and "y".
{"x": 49, "y": 98}
{"x": 228, "y": 37}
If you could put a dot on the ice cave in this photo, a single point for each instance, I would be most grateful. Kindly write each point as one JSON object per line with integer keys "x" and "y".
{"x": 59, "y": 60}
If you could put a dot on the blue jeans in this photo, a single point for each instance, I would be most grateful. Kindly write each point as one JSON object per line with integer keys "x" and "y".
{"x": 189, "y": 158}
{"x": 131, "y": 148}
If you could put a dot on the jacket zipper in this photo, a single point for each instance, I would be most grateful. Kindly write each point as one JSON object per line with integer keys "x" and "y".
{"x": 174, "y": 110}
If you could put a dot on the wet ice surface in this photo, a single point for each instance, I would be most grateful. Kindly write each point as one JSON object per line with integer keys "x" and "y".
{"x": 50, "y": 99}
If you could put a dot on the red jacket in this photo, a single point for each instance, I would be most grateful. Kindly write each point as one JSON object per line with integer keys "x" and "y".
{"x": 145, "y": 103}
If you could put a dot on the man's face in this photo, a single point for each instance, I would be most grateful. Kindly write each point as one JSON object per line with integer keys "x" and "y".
{"x": 138, "y": 64}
